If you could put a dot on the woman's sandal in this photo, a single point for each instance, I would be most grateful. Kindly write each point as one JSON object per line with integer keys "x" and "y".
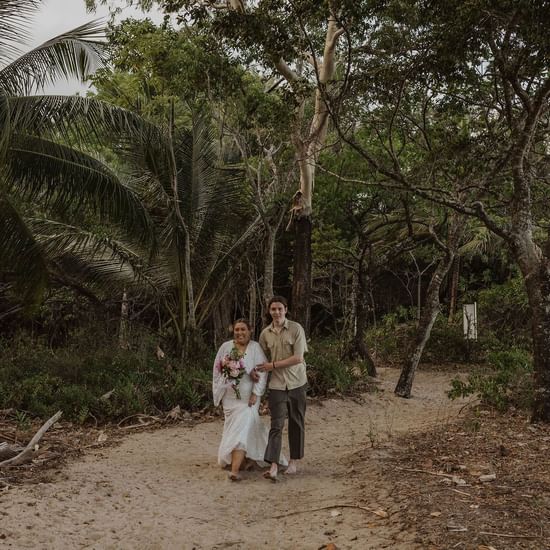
{"x": 234, "y": 477}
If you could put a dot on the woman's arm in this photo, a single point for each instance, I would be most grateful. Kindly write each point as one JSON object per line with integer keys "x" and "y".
{"x": 218, "y": 381}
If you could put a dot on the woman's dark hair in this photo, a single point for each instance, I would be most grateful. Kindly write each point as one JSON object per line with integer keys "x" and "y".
{"x": 244, "y": 322}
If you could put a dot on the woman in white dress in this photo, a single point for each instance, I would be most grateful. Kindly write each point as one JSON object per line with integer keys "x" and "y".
{"x": 244, "y": 433}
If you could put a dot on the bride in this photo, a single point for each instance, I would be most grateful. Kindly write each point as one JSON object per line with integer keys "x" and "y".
{"x": 239, "y": 389}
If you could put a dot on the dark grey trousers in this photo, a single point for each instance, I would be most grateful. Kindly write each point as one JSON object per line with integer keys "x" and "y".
{"x": 283, "y": 403}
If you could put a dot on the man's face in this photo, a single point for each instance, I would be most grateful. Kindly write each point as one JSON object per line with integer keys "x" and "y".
{"x": 277, "y": 310}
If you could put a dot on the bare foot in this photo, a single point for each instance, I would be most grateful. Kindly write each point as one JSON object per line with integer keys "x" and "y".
{"x": 272, "y": 472}
{"x": 291, "y": 469}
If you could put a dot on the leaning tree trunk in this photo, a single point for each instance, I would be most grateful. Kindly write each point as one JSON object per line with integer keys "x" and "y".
{"x": 425, "y": 325}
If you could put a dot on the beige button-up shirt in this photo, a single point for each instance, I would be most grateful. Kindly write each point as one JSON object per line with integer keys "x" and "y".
{"x": 291, "y": 340}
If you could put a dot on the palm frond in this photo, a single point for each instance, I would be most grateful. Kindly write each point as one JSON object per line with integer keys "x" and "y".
{"x": 73, "y": 54}
{"x": 5, "y": 124}
{"x": 81, "y": 119}
{"x": 94, "y": 255}
{"x": 479, "y": 240}
{"x": 205, "y": 190}
{"x": 60, "y": 177}
{"x": 21, "y": 256}
{"x": 14, "y": 16}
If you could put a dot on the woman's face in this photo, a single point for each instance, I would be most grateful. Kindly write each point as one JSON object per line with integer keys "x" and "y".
{"x": 241, "y": 333}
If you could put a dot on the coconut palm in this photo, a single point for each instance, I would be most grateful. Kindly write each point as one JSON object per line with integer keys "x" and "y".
{"x": 202, "y": 215}
{"x": 47, "y": 146}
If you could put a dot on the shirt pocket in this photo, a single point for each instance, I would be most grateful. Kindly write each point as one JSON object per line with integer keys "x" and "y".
{"x": 288, "y": 345}
{"x": 270, "y": 347}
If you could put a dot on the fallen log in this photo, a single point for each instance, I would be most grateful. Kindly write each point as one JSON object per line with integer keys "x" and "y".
{"x": 9, "y": 451}
{"x": 26, "y": 454}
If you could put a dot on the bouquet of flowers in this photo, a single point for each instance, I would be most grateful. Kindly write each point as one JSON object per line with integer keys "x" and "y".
{"x": 232, "y": 368}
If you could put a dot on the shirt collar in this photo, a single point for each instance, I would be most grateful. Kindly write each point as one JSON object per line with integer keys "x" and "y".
{"x": 285, "y": 325}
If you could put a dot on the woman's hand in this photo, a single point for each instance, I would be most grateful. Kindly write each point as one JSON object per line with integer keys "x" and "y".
{"x": 252, "y": 399}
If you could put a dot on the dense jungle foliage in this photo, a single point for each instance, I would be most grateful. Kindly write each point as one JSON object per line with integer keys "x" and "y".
{"x": 137, "y": 222}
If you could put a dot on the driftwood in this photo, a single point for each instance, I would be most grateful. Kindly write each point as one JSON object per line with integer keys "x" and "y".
{"x": 380, "y": 513}
{"x": 141, "y": 421}
{"x": 26, "y": 454}
{"x": 9, "y": 451}
{"x": 488, "y": 534}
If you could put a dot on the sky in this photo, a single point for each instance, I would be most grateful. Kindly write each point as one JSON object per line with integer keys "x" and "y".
{"x": 58, "y": 16}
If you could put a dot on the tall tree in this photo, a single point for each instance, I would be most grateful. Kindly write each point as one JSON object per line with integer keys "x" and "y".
{"x": 488, "y": 62}
{"x": 168, "y": 73}
{"x": 296, "y": 44}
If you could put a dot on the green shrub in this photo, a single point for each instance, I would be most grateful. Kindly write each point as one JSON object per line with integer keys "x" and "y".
{"x": 92, "y": 378}
{"x": 389, "y": 341}
{"x": 448, "y": 345}
{"x": 190, "y": 388}
{"x": 328, "y": 374}
{"x": 35, "y": 379}
{"x": 503, "y": 313}
{"x": 509, "y": 383}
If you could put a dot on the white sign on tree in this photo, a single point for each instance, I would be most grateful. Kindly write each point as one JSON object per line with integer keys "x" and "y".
{"x": 469, "y": 321}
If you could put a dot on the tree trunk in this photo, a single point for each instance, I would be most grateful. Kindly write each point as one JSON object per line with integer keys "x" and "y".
{"x": 538, "y": 289}
{"x": 307, "y": 151}
{"x": 301, "y": 282}
{"x": 535, "y": 267}
{"x": 123, "y": 340}
{"x": 453, "y": 290}
{"x": 269, "y": 262}
{"x": 218, "y": 326}
{"x": 358, "y": 348}
{"x": 253, "y": 298}
{"x": 429, "y": 314}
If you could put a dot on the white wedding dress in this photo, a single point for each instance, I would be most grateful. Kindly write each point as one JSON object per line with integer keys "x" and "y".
{"x": 243, "y": 428}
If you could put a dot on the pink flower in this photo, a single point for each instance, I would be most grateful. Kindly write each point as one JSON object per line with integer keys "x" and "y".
{"x": 234, "y": 372}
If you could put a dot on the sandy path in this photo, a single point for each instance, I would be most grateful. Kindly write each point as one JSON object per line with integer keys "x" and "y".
{"x": 163, "y": 490}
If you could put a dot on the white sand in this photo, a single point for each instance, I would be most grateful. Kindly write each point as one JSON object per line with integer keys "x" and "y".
{"x": 163, "y": 489}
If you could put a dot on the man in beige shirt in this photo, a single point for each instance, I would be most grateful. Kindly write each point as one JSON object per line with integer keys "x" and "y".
{"x": 284, "y": 343}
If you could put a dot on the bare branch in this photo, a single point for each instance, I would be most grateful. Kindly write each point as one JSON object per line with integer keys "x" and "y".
{"x": 28, "y": 451}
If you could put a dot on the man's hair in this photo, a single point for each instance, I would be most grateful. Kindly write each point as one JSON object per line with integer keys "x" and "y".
{"x": 280, "y": 299}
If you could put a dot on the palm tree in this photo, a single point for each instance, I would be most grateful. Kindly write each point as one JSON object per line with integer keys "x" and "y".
{"x": 201, "y": 211}
{"x": 48, "y": 153}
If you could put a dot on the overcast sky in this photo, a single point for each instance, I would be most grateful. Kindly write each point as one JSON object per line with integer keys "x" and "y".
{"x": 58, "y": 16}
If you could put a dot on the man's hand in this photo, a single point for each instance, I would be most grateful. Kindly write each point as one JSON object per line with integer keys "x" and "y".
{"x": 265, "y": 367}
{"x": 252, "y": 399}
{"x": 254, "y": 376}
